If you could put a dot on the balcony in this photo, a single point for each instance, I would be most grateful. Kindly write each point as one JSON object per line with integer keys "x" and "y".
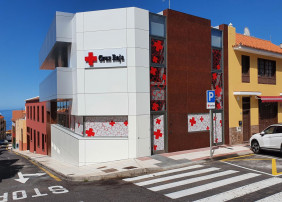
{"x": 57, "y": 85}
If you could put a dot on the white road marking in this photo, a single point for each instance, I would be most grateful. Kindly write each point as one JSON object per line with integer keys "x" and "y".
{"x": 210, "y": 186}
{"x": 162, "y": 173}
{"x": 17, "y": 197}
{"x": 192, "y": 180}
{"x": 275, "y": 197}
{"x": 176, "y": 176}
{"x": 247, "y": 168}
{"x": 241, "y": 191}
{"x": 23, "y": 180}
{"x": 38, "y": 193}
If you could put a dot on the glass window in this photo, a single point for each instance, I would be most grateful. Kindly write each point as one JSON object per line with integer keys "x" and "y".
{"x": 42, "y": 114}
{"x": 278, "y": 129}
{"x": 216, "y": 38}
{"x": 38, "y": 140}
{"x": 157, "y": 25}
{"x": 269, "y": 130}
{"x": 42, "y": 140}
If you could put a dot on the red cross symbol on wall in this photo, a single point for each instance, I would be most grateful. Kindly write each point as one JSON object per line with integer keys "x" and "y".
{"x": 90, "y": 132}
{"x": 91, "y": 59}
{"x": 201, "y": 119}
{"x": 192, "y": 121}
{"x": 112, "y": 123}
{"x": 158, "y": 134}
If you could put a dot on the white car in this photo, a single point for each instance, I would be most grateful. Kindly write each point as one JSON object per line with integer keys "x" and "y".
{"x": 268, "y": 139}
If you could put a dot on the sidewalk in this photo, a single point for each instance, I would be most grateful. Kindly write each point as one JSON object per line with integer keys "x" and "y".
{"x": 132, "y": 167}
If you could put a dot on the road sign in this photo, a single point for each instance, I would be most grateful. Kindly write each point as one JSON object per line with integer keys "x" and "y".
{"x": 210, "y": 99}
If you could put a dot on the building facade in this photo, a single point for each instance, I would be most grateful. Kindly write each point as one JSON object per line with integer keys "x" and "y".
{"x": 2, "y": 128}
{"x": 20, "y": 127}
{"x": 254, "y": 86}
{"x": 37, "y": 127}
{"x": 127, "y": 85}
{"x": 16, "y": 115}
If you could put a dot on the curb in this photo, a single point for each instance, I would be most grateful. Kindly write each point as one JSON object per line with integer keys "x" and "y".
{"x": 133, "y": 172}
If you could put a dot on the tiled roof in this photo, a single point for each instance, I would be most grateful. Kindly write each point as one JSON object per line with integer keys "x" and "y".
{"x": 256, "y": 43}
{"x": 1, "y": 117}
{"x": 17, "y": 114}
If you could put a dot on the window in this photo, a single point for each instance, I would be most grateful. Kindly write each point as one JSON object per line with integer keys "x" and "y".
{"x": 266, "y": 71}
{"x": 42, "y": 114}
{"x": 63, "y": 113}
{"x": 245, "y": 69}
{"x": 27, "y": 112}
{"x": 269, "y": 130}
{"x": 31, "y": 135}
{"x": 37, "y": 113}
{"x": 38, "y": 140}
{"x": 34, "y": 113}
{"x": 30, "y": 113}
{"x": 34, "y": 133}
{"x": 43, "y": 142}
{"x": 278, "y": 129}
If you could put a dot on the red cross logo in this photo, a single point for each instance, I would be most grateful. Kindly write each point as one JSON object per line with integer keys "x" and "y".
{"x": 155, "y": 107}
{"x": 90, "y": 132}
{"x": 217, "y": 91}
{"x": 158, "y": 134}
{"x": 155, "y": 59}
{"x": 155, "y": 147}
{"x": 192, "y": 121}
{"x": 214, "y": 76}
{"x": 91, "y": 59}
{"x": 201, "y": 119}
{"x": 125, "y": 123}
{"x": 158, "y": 45}
{"x": 112, "y": 123}
{"x": 153, "y": 71}
{"x": 208, "y": 128}
{"x": 158, "y": 121}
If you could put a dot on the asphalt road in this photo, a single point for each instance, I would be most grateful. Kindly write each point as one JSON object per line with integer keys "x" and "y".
{"x": 243, "y": 178}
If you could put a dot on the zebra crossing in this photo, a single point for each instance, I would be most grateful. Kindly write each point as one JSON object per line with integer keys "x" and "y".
{"x": 209, "y": 183}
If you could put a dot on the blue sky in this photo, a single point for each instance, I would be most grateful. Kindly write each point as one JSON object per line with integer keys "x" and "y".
{"x": 24, "y": 24}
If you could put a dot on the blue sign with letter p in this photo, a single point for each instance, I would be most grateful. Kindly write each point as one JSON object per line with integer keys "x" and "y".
{"x": 210, "y": 96}
{"x": 210, "y": 99}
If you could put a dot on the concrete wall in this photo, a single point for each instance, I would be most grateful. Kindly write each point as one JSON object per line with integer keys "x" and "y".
{"x": 69, "y": 147}
{"x": 21, "y": 139}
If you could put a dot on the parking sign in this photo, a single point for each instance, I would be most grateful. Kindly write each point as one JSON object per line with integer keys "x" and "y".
{"x": 210, "y": 99}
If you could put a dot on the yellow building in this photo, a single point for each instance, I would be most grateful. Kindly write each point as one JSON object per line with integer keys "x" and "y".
{"x": 21, "y": 138}
{"x": 254, "y": 85}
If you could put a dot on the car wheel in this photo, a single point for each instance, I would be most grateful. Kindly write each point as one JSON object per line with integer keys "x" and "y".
{"x": 255, "y": 147}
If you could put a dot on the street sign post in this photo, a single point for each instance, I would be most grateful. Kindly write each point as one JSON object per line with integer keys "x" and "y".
{"x": 210, "y": 105}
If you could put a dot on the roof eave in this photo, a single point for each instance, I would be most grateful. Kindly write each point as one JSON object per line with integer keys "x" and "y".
{"x": 257, "y": 51}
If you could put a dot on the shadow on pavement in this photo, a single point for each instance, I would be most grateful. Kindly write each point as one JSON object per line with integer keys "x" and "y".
{"x": 7, "y": 169}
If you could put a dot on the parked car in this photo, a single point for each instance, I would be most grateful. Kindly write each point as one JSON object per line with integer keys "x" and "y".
{"x": 3, "y": 143}
{"x": 268, "y": 139}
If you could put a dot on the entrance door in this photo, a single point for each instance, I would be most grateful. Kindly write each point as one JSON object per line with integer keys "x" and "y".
{"x": 246, "y": 119}
{"x": 158, "y": 133}
{"x": 267, "y": 114}
{"x": 28, "y": 142}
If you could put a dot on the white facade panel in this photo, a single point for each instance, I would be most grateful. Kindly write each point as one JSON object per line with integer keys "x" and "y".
{"x": 105, "y": 39}
{"x": 79, "y": 22}
{"x": 112, "y": 80}
{"x": 137, "y": 18}
{"x": 139, "y": 103}
{"x": 138, "y": 79}
{"x": 80, "y": 76}
{"x": 68, "y": 147}
{"x": 105, "y": 20}
{"x": 138, "y": 38}
{"x": 138, "y": 57}
{"x": 106, "y": 104}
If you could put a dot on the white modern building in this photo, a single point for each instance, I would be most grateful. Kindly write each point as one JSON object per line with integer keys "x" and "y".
{"x": 100, "y": 83}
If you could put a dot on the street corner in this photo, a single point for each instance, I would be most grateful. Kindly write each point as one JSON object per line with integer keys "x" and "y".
{"x": 269, "y": 165}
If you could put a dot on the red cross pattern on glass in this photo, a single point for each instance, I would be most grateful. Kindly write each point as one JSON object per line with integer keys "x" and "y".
{"x": 158, "y": 134}
{"x": 192, "y": 121}
{"x": 91, "y": 59}
{"x": 90, "y": 132}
